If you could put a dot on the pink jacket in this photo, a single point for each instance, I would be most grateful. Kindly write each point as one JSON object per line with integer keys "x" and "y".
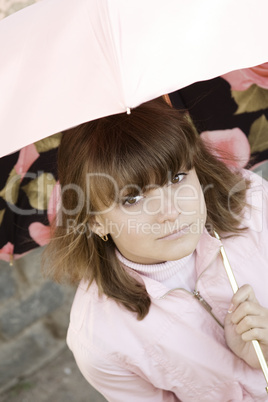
{"x": 178, "y": 352}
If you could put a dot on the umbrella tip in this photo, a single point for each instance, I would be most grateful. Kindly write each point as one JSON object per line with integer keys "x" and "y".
{"x": 128, "y": 110}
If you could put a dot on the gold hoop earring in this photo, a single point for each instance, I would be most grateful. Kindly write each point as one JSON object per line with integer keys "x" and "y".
{"x": 104, "y": 238}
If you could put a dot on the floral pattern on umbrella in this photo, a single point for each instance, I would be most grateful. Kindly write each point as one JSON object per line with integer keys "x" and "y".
{"x": 27, "y": 181}
{"x": 233, "y": 105}
{"x": 232, "y": 118}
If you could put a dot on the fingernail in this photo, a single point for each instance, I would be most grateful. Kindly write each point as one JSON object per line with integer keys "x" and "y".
{"x": 231, "y": 308}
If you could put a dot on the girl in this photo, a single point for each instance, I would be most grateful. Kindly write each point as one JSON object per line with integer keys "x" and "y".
{"x": 154, "y": 318}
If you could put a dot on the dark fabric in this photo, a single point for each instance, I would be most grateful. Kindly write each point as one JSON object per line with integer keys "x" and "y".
{"x": 24, "y": 209}
{"x": 212, "y": 107}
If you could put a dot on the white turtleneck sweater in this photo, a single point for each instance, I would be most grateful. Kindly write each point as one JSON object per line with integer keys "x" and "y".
{"x": 173, "y": 274}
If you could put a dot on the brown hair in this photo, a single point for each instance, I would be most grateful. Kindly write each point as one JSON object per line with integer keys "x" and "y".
{"x": 147, "y": 144}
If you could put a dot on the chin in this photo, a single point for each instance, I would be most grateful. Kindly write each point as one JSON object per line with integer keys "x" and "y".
{"x": 186, "y": 249}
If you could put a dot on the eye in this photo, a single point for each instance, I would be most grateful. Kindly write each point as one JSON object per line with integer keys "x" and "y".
{"x": 132, "y": 200}
{"x": 178, "y": 178}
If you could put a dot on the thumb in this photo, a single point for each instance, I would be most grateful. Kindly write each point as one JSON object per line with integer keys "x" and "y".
{"x": 227, "y": 320}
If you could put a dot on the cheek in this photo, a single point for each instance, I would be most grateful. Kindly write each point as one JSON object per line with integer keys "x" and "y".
{"x": 190, "y": 201}
{"x": 202, "y": 208}
{"x": 136, "y": 229}
{"x": 194, "y": 204}
{"x": 121, "y": 225}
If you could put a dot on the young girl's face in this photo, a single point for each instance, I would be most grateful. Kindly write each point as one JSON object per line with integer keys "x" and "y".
{"x": 161, "y": 224}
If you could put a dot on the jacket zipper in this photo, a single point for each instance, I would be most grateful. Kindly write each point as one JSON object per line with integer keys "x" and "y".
{"x": 207, "y": 306}
{"x": 198, "y": 296}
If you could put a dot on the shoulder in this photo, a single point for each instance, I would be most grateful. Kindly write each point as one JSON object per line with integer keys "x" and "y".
{"x": 88, "y": 313}
{"x": 105, "y": 339}
{"x": 251, "y": 243}
{"x": 90, "y": 335}
{"x": 256, "y": 180}
{"x": 99, "y": 323}
{"x": 254, "y": 216}
{"x": 105, "y": 328}
{"x": 256, "y": 213}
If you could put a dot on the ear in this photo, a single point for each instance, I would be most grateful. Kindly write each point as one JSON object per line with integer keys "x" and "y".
{"x": 99, "y": 226}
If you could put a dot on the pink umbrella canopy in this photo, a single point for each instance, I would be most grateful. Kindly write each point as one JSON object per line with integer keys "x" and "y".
{"x": 64, "y": 62}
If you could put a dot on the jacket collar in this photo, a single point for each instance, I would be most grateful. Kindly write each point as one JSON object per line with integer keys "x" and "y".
{"x": 207, "y": 249}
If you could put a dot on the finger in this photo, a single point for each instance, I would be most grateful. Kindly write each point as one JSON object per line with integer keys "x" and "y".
{"x": 250, "y": 322}
{"x": 246, "y": 309}
{"x": 258, "y": 334}
{"x": 245, "y": 293}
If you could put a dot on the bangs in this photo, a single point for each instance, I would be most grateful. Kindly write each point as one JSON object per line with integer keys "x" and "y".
{"x": 132, "y": 153}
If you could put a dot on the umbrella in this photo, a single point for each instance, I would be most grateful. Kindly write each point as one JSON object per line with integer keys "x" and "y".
{"x": 63, "y": 62}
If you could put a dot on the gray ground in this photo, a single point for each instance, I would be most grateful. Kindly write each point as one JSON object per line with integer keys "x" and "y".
{"x": 58, "y": 381}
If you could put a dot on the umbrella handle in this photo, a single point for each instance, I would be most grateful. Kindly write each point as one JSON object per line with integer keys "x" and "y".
{"x": 235, "y": 288}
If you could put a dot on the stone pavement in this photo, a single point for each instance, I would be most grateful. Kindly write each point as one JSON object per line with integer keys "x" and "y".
{"x": 58, "y": 381}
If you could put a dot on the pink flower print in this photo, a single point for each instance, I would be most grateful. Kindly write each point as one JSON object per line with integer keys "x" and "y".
{"x": 26, "y": 158}
{"x": 6, "y": 252}
{"x": 231, "y": 146}
{"x": 40, "y": 233}
{"x": 240, "y": 80}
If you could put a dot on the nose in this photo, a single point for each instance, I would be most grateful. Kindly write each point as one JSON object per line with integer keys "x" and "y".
{"x": 169, "y": 209}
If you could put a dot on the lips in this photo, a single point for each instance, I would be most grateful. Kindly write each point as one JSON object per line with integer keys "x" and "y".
{"x": 176, "y": 233}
